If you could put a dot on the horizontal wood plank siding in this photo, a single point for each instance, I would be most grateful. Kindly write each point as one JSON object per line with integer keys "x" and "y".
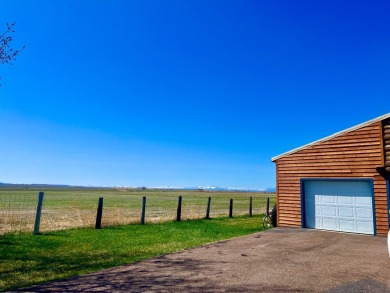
{"x": 355, "y": 154}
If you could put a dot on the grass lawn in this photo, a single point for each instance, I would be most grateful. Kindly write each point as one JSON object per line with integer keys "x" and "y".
{"x": 26, "y": 259}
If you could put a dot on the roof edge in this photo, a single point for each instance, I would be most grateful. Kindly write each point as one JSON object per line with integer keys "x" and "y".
{"x": 380, "y": 118}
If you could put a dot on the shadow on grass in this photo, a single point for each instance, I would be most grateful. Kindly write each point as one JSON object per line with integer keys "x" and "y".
{"x": 156, "y": 275}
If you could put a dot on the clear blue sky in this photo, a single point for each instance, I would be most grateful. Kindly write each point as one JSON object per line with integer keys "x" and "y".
{"x": 184, "y": 93}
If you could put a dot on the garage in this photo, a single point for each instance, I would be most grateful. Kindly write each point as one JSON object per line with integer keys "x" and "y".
{"x": 339, "y": 205}
{"x": 339, "y": 182}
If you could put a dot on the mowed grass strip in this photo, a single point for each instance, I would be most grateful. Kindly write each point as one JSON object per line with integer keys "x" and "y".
{"x": 26, "y": 259}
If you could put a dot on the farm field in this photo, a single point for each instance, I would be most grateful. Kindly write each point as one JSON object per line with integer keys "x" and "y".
{"x": 65, "y": 208}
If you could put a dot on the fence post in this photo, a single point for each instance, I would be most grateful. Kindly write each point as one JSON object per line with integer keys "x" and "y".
{"x": 267, "y": 207}
{"x": 38, "y": 214}
{"x": 99, "y": 214}
{"x": 208, "y": 208}
{"x": 178, "y": 216}
{"x": 250, "y": 206}
{"x": 143, "y": 210}
{"x": 231, "y": 208}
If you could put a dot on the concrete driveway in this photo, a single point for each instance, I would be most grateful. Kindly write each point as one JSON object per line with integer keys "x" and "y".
{"x": 278, "y": 260}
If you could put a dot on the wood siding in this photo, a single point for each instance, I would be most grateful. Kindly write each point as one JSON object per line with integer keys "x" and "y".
{"x": 355, "y": 154}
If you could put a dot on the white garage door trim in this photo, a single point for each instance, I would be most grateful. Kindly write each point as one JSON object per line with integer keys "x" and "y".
{"x": 345, "y": 205}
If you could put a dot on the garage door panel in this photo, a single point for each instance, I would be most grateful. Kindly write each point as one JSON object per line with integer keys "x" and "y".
{"x": 348, "y": 226}
{"x": 341, "y": 205}
{"x": 330, "y": 224}
{"x": 347, "y": 200}
{"x": 363, "y": 213}
{"x": 364, "y": 227}
{"x": 329, "y": 211}
{"x": 364, "y": 201}
{"x": 326, "y": 199}
{"x": 346, "y": 212}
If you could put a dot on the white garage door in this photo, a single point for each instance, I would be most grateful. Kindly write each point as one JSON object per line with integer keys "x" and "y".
{"x": 339, "y": 205}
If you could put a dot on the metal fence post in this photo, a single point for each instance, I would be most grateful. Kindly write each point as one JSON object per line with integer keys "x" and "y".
{"x": 208, "y": 208}
{"x": 143, "y": 210}
{"x": 178, "y": 216}
{"x": 99, "y": 214}
{"x": 38, "y": 214}
{"x": 231, "y": 208}
{"x": 250, "y": 206}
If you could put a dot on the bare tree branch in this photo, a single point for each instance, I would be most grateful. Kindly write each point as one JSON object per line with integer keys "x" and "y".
{"x": 7, "y": 53}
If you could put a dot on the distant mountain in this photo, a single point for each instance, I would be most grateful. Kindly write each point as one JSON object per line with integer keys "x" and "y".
{"x": 36, "y": 186}
{"x": 208, "y": 188}
{"x": 270, "y": 189}
{"x": 218, "y": 188}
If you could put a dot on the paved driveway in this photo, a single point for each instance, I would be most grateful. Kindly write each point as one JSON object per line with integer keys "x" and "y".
{"x": 278, "y": 260}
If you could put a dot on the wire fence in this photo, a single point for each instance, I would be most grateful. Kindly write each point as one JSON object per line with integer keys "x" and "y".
{"x": 65, "y": 209}
{"x": 17, "y": 212}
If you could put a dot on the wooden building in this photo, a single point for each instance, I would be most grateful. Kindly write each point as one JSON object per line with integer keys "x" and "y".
{"x": 340, "y": 182}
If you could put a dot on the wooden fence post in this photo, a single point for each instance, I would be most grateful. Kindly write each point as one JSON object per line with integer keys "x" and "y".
{"x": 267, "y": 207}
{"x": 99, "y": 214}
{"x": 231, "y": 208}
{"x": 208, "y": 208}
{"x": 178, "y": 216}
{"x": 250, "y": 206}
{"x": 143, "y": 210}
{"x": 38, "y": 214}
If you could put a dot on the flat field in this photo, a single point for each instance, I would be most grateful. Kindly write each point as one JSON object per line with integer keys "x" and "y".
{"x": 65, "y": 208}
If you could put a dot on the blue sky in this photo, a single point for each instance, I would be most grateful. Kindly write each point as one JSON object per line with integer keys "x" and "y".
{"x": 184, "y": 93}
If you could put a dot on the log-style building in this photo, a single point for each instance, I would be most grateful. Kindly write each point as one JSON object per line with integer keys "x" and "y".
{"x": 340, "y": 182}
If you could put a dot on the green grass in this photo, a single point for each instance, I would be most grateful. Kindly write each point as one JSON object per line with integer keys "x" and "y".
{"x": 26, "y": 259}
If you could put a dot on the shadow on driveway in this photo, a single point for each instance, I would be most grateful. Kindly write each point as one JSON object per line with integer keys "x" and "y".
{"x": 278, "y": 260}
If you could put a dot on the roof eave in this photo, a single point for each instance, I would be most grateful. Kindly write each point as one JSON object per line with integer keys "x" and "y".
{"x": 383, "y": 117}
